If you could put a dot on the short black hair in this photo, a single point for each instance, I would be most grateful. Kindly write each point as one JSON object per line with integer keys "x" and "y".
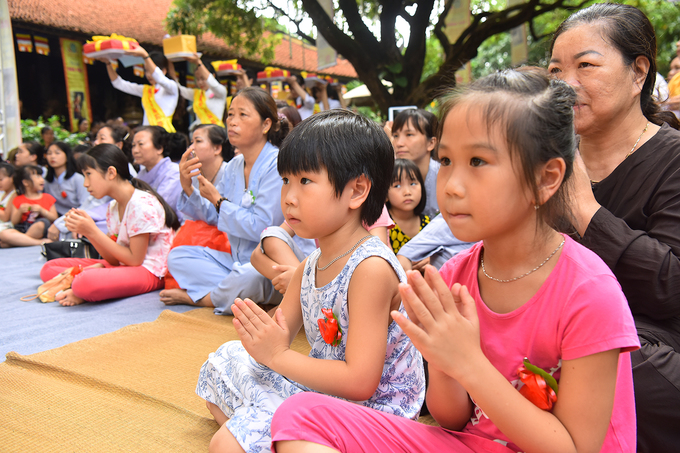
{"x": 409, "y": 168}
{"x": 347, "y": 145}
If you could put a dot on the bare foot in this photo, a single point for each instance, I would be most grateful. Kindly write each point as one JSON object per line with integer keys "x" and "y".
{"x": 68, "y": 299}
{"x": 175, "y": 296}
{"x": 178, "y": 296}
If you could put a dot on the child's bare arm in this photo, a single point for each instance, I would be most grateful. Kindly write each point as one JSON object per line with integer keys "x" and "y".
{"x": 79, "y": 222}
{"x": 18, "y": 212}
{"x": 446, "y": 330}
{"x": 447, "y": 401}
{"x": 357, "y": 377}
{"x": 115, "y": 253}
{"x": 50, "y": 214}
{"x": 279, "y": 252}
{"x": 381, "y": 232}
{"x": 6, "y": 214}
{"x": 263, "y": 264}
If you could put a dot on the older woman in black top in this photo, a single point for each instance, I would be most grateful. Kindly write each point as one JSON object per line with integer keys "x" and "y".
{"x": 627, "y": 193}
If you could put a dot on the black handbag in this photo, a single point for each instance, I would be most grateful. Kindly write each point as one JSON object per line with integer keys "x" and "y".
{"x": 69, "y": 248}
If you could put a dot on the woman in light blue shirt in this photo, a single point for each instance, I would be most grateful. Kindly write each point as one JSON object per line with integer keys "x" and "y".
{"x": 245, "y": 201}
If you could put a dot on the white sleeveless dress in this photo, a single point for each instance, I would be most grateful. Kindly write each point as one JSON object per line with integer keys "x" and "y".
{"x": 249, "y": 393}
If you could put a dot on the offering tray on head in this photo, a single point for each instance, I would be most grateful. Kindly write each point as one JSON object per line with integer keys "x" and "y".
{"x": 181, "y": 56}
{"x": 177, "y": 48}
{"x": 311, "y": 79}
{"x": 111, "y": 47}
{"x": 272, "y": 75}
{"x": 226, "y": 67}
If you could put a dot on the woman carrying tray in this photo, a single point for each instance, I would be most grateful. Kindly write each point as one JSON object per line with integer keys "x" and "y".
{"x": 159, "y": 99}
{"x": 209, "y": 99}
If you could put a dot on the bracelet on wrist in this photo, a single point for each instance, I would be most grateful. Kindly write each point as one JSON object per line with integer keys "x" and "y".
{"x": 147, "y": 57}
{"x": 218, "y": 203}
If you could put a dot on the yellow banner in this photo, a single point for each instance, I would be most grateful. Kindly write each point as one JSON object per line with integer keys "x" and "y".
{"x": 519, "y": 50}
{"x": 77, "y": 87}
{"x": 326, "y": 55}
{"x": 457, "y": 20}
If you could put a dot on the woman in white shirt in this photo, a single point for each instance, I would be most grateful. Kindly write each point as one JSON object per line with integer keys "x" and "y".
{"x": 159, "y": 99}
{"x": 209, "y": 99}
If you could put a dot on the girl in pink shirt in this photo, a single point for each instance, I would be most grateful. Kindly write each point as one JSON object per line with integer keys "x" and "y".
{"x": 141, "y": 227}
{"x": 527, "y": 334}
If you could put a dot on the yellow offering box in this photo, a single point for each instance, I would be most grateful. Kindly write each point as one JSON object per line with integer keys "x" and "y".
{"x": 179, "y": 47}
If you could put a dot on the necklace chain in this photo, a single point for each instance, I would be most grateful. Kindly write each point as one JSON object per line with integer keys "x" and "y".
{"x": 338, "y": 257}
{"x": 523, "y": 275}
{"x": 632, "y": 150}
{"x": 637, "y": 141}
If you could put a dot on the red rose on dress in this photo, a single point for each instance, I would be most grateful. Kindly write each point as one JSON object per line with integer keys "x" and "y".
{"x": 329, "y": 328}
{"x": 63, "y": 194}
{"x": 539, "y": 387}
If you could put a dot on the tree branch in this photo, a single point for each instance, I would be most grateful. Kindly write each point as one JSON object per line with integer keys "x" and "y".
{"x": 388, "y": 19}
{"x": 280, "y": 12}
{"x": 413, "y": 68}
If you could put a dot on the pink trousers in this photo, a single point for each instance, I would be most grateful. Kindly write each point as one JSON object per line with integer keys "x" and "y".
{"x": 110, "y": 282}
{"x": 351, "y": 428}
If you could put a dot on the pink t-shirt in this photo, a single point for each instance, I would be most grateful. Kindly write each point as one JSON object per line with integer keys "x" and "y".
{"x": 578, "y": 311}
{"x": 383, "y": 221}
{"x": 143, "y": 214}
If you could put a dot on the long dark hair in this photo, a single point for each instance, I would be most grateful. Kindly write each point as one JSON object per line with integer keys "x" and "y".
{"x": 630, "y": 32}
{"x": 265, "y": 105}
{"x": 71, "y": 166}
{"x": 535, "y": 114}
{"x": 408, "y": 168}
{"x": 423, "y": 121}
{"x": 105, "y": 155}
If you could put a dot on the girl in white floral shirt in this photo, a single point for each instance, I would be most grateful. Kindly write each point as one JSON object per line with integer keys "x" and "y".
{"x": 141, "y": 227}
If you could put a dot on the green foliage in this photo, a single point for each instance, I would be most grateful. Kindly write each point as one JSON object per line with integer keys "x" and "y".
{"x": 665, "y": 17}
{"x": 235, "y": 21}
{"x": 494, "y": 53}
{"x": 434, "y": 57}
{"x": 30, "y": 131}
{"x": 370, "y": 113}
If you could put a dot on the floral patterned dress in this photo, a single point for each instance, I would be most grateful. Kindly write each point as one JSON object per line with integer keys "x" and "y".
{"x": 143, "y": 214}
{"x": 249, "y": 393}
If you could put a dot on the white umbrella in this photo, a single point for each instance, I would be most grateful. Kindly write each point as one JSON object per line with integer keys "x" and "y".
{"x": 362, "y": 91}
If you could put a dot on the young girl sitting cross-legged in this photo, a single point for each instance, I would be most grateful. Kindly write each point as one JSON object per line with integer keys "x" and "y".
{"x": 140, "y": 226}
{"x": 527, "y": 334}
{"x": 336, "y": 168}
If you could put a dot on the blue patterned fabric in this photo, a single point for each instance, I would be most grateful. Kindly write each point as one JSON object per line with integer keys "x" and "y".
{"x": 249, "y": 393}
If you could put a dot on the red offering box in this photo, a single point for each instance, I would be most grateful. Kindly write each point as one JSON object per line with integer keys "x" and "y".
{"x": 272, "y": 75}
{"x": 108, "y": 47}
{"x": 312, "y": 80}
{"x": 223, "y": 68}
